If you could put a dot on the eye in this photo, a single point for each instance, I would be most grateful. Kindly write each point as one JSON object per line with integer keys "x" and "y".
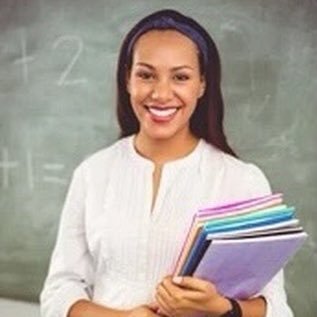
{"x": 181, "y": 77}
{"x": 145, "y": 75}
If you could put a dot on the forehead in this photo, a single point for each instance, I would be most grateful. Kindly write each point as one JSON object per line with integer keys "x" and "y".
{"x": 165, "y": 45}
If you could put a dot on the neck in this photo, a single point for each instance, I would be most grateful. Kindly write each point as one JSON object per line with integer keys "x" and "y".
{"x": 161, "y": 151}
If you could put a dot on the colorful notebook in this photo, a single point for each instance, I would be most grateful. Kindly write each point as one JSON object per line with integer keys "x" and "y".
{"x": 263, "y": 229}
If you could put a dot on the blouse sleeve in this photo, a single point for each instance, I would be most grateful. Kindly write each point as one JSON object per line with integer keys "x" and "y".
{"x": 273, "y": 292}
{"x": 70, "y": 272}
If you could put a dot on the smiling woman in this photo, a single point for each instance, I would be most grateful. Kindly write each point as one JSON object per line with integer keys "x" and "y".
{"x": 164, "y": 85}
{"x": 129, "y": 206}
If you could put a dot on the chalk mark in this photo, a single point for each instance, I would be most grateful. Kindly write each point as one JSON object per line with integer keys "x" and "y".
{"x": 6, "y": 165}
{"x": 54, "y": 179}
{"x": 30, "y": 169}
{"x": 24, "y": 60}
{"x": 63, "y": 81}
{"x": 53, "y": 166}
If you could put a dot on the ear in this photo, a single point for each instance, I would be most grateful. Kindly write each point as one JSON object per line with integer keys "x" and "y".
{"x": 127, "y": 81}
{"x": 202, "y": 86}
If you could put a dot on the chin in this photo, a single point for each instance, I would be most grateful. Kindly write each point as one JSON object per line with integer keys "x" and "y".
{"x": 163, "y": 135}
{"x": 160, "y": 136}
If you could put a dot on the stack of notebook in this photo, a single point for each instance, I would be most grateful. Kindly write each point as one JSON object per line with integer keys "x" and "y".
{"x": 241, "y": 246}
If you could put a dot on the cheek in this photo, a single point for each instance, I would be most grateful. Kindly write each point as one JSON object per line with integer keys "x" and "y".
{"x": 135, "y": 105}
{"x": 138, "y": 91}
{"x": 137, "y": 96}
{"x": 191, "y": 100}
{"x": 191, "y": 97}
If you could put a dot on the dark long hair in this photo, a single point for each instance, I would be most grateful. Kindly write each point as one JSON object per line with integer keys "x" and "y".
{"x": 207, "y": 119}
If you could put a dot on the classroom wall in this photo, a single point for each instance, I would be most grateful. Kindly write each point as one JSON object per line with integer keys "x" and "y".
{"x": 57, "y": 106}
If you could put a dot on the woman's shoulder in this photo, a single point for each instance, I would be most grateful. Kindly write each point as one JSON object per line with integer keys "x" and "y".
{"x": 238, "y": 172}
{"x": 240, "y": 166}
{"x": 227, "y": 161}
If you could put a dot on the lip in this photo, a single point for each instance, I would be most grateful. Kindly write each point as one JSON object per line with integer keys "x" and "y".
{"x": 160, "y": 107}
{"x": 158, "y": 118}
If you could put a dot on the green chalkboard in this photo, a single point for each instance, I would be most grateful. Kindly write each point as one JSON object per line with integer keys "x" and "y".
{"x": 57, "y": 105}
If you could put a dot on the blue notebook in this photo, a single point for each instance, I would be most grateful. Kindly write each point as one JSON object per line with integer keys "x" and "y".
{"x": 201, "y": 243}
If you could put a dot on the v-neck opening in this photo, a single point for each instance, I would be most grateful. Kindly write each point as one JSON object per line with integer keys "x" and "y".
{"x": 168, "y": 173}
{"x": 156, "y": 188}
{"x": 147, "y": 163}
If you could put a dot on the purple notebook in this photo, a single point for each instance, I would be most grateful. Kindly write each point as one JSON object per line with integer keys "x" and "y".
{"x": 254, "y": 202}
{"x": 240, "y": 268}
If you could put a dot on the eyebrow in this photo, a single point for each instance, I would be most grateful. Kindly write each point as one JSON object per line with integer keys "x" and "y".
{"x": 173, "y": 68}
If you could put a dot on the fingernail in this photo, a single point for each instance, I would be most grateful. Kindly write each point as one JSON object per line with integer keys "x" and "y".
{"x": 177, "y": 279}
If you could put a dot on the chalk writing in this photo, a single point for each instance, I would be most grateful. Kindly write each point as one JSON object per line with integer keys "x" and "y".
{"x": 47, "y": 172}
{"x": 30, "y": 169}
{"x": 63, "y": 81}
{"x": 6, "y": 165}
{"x": 25, "y": 59}
{"x": 54, "y": 179}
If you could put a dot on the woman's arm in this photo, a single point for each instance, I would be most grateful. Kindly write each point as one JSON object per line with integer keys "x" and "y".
{"x": 187, "y": 296}
{"x": 191, "y": 295}
{"x": 276, "y": 299}
{"x": 274, "y": 292}
{"x": 71, "y": 269}
{"x": 84, "y": 308}
{"x": 254, "y": 307}
{"x": 68, "y": 286}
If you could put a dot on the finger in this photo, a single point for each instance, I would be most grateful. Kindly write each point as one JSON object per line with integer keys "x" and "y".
{"x": 179, "y": 294}
{"x": 153, "y": 306}
{"x": 170, "y": 286}
{"x": 164, "y": 307}
{"x": 193, "y": 296}
{"x": 194, "y": 283}
{"x": 195, "y": 289}
{"x": 164, "y": 293}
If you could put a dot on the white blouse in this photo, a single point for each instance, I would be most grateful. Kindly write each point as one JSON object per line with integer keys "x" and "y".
{"x": 113, "y": 249}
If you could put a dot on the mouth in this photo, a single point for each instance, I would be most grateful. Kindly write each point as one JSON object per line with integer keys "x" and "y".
{"x": 162, "y": 112}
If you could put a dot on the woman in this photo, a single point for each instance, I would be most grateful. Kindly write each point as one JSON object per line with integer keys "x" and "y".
{"x": 129, "y": 206}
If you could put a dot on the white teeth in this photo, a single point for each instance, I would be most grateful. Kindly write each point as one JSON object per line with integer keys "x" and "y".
{"x": 162, "y": 112}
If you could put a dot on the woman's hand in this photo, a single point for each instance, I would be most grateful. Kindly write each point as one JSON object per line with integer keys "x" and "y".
{"x": 189, "y": 296}
{"x": 84, "y": 308}
{"x": 142, "y": 311}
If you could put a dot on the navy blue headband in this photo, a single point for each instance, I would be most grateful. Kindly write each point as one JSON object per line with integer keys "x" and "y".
{"x": 165, "y": 23}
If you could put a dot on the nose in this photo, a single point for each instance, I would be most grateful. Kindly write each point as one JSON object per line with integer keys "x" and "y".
{"x": 162, "y": 91}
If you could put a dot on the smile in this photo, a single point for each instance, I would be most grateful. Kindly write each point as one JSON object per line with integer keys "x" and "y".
{"x": 162, "y": 112}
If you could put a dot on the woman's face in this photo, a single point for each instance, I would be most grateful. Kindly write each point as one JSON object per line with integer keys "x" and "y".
{"x": 164, "y": 83}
